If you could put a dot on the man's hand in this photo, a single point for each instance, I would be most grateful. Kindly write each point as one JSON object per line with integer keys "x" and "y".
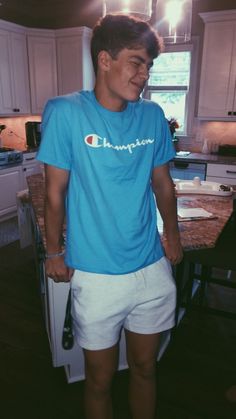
{"x": 57, "y": 270}
{"x": 174, "y": 251}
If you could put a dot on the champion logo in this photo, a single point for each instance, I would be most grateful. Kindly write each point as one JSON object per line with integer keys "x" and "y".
{"x": 95, "y": 141}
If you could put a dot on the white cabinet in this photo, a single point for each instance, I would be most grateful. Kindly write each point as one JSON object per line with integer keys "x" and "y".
{"x": 10, "y": 184}
{"x": 42, "y": 68}
{"x": 222, "y": 173}
{"x": 12, "y": 180}
{"x": 74, "y": 63}
{"x": 217, "y": 98}
{"x": 14, "y": 77}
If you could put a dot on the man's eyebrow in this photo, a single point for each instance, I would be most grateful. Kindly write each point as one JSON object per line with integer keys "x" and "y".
{"x": 142, "y": 60}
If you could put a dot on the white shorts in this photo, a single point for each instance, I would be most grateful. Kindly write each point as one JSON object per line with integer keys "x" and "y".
{"x": 141, "y": 302}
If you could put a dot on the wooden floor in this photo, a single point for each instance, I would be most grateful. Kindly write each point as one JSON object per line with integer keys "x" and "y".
{"x": 193, "y": 375}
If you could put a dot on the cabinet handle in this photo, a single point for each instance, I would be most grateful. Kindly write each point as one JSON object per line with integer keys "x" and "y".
{"x": 231, "y": 172}
{"x": 234, "y": 113}
{"x": 16, "y": 110}
{"x": 181, "y": 165}
{"x": 24, "y": 170}
{"x": 30, "y": 158}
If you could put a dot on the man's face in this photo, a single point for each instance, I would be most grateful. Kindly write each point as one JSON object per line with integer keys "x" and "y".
{"x": 127, "y": 74}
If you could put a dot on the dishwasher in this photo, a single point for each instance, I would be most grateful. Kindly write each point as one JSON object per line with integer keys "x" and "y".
{"x": 183, "y": 170}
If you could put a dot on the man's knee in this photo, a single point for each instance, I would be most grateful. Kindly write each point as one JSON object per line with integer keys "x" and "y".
{"x": 145, "y": 369}
{"x": 99, "y": 379}
{"x": 99, "y": 383}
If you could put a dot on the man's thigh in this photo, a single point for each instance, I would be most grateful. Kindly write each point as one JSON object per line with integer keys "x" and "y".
{"x": 142, "y": 350}
{"x": 101, "y": 365}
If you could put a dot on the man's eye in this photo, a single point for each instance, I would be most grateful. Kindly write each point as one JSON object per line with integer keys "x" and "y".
{"x": 135, "y": 63}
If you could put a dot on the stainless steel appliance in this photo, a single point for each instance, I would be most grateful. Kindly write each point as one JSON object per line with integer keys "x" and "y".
{"x": 33, "y": 134}
{"x": 10, "y": 156}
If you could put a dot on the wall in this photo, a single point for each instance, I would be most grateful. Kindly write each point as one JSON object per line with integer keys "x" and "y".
{"x": 14, "y": 133}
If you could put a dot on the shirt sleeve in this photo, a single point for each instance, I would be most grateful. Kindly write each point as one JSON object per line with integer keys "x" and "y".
{"x": 55, "y": 147}
{"x": 164, "y": 148}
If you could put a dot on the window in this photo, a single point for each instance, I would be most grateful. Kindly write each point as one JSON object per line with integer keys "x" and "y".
{"x": 171, "y": 84}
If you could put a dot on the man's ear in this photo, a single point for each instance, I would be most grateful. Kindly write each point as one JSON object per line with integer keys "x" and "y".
{"x": 104, "y": 60}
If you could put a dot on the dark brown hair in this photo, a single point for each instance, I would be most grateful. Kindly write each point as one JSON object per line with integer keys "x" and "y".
{"x": 115, "y": 32}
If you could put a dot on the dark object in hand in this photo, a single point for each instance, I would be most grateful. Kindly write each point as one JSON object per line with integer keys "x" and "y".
{"x": 67, "y": 333}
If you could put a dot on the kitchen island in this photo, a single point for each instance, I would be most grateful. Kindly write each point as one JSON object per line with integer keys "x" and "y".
{"x": 194, "y": 235}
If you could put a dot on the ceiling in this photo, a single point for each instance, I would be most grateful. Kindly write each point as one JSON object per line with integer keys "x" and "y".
{"x": 52, "y": 14}
{"x": 55, "y": 14}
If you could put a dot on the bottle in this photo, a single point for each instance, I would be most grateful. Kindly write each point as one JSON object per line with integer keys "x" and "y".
{"x": 205, "y": 149}
{"x": 2, "y": 127}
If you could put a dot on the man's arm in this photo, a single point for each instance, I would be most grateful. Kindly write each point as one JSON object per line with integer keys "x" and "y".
{"x": 163, "y": 189}
{"x": 56, "y": 181}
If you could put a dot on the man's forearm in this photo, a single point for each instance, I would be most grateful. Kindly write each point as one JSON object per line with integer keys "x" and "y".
{"x": 54, "y": 220}
{"x": 167, "y": 205}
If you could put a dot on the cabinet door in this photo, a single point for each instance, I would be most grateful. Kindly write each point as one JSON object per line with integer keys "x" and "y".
{"x": 218, "y": 75}
{"x": 20, "y": 72}
{"x": 10, "y": 184}
{"x": 43, "y": 71}
{"x": 74, "y": 65}
{"x": 6, "y": 93}
{"x": 14, "y": 77}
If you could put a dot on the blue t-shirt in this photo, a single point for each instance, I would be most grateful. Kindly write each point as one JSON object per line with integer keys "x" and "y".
{"x": 111, "y": 211}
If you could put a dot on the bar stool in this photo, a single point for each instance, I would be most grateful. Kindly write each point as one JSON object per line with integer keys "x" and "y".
{"x": 199, "y": 269}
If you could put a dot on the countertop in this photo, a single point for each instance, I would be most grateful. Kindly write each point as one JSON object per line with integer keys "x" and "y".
{"x": 206, "y": 158}
{"x": 198, "y": 234}
{"x": 191, "y": 158}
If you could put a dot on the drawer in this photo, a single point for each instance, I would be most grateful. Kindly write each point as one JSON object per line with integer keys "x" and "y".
{"x": 221, "y": 170}
{"x": 223, "y": 180}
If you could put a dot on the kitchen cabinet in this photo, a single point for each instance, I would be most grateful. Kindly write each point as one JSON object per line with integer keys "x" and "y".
{"x": 217, "y": 97}
{"x": 14, "y": 76}
{"x": 222, "y": 173}
{"x": 74, "y": 63}
{"x": 13, "y": 180}
{"x": 42, "y": 68}
{"x": 10, "y": 184}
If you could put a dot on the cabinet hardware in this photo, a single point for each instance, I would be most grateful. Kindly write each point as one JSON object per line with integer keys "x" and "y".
{"x": 231, "y": 171}
{"x": 16, "y": 110}
{"x": 234, "y": 113}
{"x": 30, "y": 158}
{"x": 230, "y": 113}
{"x": 181, "y": 165}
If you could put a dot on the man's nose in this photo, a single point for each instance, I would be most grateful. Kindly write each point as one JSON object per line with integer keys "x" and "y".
{"x": 144, "y": 72}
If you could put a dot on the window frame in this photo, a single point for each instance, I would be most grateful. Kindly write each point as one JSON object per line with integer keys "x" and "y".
{"x": 193, "y": 47}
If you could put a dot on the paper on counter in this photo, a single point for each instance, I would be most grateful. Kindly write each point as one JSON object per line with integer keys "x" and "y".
{"x": 194, "y": 213}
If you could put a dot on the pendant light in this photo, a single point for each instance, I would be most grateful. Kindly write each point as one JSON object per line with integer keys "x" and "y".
{"x": 138, "y": 8}
{"x": 174, "y": 20}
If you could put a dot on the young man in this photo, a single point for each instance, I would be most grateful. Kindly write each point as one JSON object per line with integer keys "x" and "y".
{"x": 106, "y": 156}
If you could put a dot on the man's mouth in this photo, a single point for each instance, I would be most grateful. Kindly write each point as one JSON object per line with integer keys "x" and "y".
{"x": 138, "y": 86}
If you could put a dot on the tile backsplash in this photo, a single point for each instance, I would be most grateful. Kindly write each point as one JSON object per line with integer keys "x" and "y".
{"x": 219, "y": 132}
{"x": 14, "y": 133}
{"x": 213, "y": 133}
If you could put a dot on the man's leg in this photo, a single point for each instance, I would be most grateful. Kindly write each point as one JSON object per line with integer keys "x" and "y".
{"x": 100, "y": 367}
{"x": 142, "y": 351}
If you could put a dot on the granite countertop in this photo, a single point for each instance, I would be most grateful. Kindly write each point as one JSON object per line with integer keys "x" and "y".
{"x": 197, "y": 234}
{"x": 206, "y": 158}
